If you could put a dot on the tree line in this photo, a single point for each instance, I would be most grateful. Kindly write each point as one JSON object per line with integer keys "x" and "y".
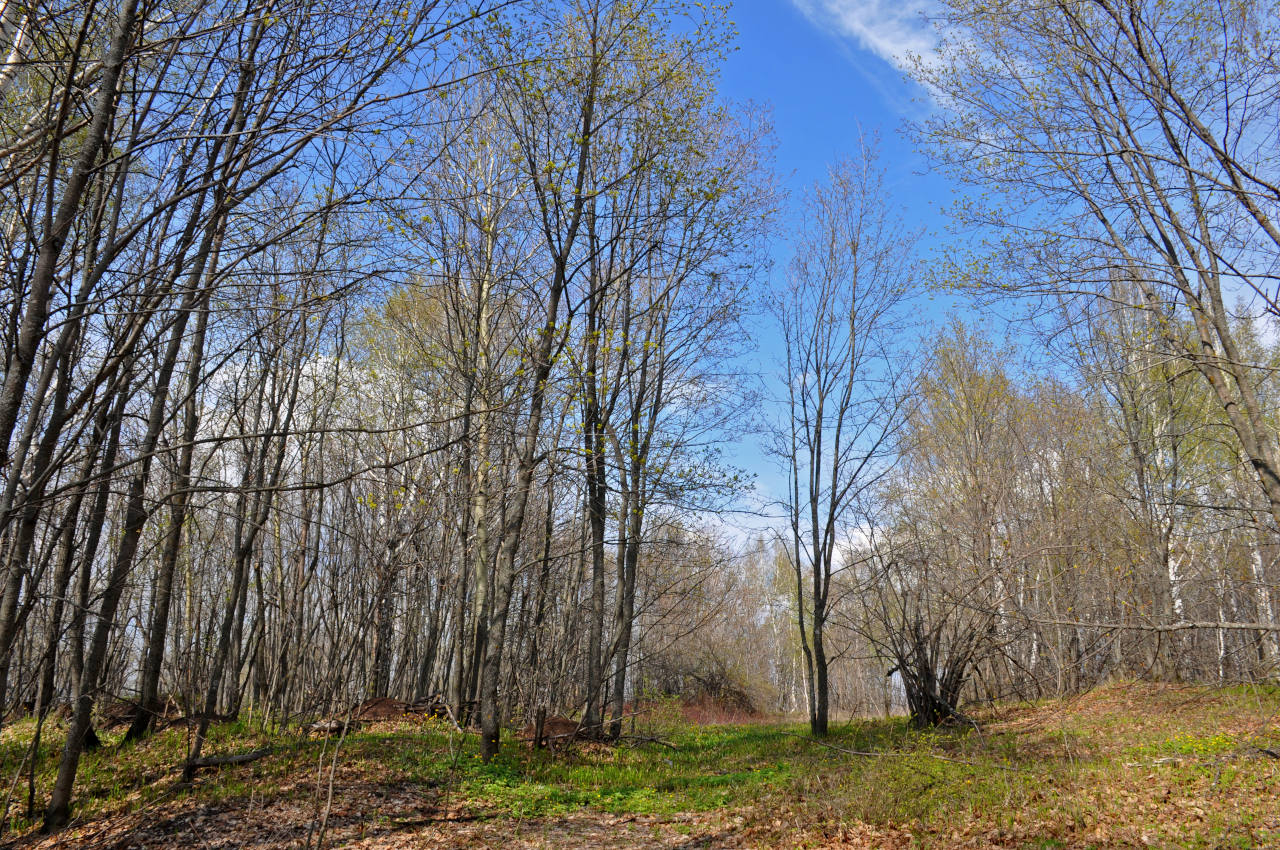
{"x": 979, "y": 524}
{"x": 361, "y": 350}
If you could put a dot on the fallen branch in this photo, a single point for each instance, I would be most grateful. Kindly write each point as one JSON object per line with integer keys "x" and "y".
{"x": 1156, "y": 762}
{"x": 220, "y": 761}
{"x": 648, "y": 739}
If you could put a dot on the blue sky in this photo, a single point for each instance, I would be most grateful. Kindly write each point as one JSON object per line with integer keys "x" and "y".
{"x": 827, "y": 71}
{"x": 823, "y": 83}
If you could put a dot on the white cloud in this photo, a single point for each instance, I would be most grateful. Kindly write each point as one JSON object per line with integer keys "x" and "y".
{"x": 892, "y": 29}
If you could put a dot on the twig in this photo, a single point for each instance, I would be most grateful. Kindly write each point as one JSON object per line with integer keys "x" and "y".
{"x": 648, "y": 739}
{"x": 453, "y": 719}
{"x": 333, "y": 770}
{"x": 1179, "y": 626}
{"x": 8, "y": 798}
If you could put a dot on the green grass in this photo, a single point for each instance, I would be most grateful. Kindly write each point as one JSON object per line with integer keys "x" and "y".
{"x": 1179, "y": 766}
{"x": 644, "y": 779}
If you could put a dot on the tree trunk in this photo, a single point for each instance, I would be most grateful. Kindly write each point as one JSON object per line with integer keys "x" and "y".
{"x": 36, "y": 309}
{"x": 153, "y": 651}
{"x": 136, "y": 514}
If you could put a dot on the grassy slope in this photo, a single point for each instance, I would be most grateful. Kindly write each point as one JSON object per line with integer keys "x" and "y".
{"x": 1126, "y": 765}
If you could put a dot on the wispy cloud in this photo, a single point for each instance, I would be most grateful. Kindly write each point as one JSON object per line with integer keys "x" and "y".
{"x": 892, "y": 29}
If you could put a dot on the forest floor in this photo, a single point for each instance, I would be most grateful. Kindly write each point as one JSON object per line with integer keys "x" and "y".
{"x": 1126, "y": 765}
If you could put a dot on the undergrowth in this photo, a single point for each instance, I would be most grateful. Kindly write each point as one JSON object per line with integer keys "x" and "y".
{"x": 1124, "y": 765}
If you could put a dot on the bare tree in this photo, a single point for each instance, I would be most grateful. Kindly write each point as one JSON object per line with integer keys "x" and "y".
{"x": 845, "y": 395}
{"x": 1125, "y": 139}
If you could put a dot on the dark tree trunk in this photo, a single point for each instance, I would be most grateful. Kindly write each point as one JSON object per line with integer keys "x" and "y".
{"x": 136, "y": 514}
{"x": 153, "y": 652}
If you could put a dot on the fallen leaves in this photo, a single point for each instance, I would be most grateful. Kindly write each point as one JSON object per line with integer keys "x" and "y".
{"x": 1126, "y": 766}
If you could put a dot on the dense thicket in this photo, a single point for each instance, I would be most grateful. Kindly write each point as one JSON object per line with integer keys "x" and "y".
{"x": 358, "y": 350}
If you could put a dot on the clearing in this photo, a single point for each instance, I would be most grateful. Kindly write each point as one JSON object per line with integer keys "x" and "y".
{"x": 1126, "y": 765}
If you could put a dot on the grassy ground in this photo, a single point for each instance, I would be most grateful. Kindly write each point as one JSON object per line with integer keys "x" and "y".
{"x": 1124, "y": 766}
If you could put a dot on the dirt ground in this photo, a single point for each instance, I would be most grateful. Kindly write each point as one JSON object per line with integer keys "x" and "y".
{"x": 405, "y": 818}
{"x": 1124, "y": 766}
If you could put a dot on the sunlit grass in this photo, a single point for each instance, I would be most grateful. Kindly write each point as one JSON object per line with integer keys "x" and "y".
{"x": 1182, "y": 766}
